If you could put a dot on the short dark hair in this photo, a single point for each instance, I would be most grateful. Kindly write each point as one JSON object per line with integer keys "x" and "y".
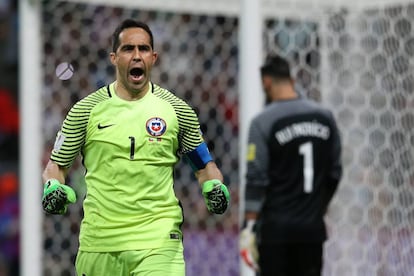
{"x": 130, "y": 23}
{"x": 276, "y": 67}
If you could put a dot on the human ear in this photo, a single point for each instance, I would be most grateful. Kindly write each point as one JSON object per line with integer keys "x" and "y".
{"x": 112, "y": 57}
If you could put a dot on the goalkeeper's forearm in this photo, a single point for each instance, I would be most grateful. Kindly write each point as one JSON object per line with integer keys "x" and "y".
{"x": 211, "y": 171}
{"x": 54, "y": 171}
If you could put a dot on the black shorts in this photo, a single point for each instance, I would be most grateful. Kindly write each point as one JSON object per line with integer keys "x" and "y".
{"x": 290, "y": 259}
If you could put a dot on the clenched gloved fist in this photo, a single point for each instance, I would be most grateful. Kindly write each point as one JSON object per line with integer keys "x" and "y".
{"x": 57, "y": 197}
{"x": 216, "y": 195}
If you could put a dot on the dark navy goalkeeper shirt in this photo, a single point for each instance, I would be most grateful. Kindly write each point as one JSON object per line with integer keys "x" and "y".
{"x": 293, "y": 170}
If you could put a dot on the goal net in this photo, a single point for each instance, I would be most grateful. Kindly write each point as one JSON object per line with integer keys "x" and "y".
{"x": 354, "y": 59}
{"x": 369, "y": 84}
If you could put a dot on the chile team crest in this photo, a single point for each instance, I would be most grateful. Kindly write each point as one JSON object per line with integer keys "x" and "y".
{"x": 156, "y": 126}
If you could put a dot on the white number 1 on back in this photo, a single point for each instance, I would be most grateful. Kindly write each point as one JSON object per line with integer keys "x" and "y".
{"x": 306, "y": 150}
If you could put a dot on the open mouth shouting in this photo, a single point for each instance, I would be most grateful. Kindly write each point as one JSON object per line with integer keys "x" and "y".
{"x": 136, "y": 74}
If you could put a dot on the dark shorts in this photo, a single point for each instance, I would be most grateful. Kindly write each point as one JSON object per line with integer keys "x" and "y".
{"x": 291, "y": 259}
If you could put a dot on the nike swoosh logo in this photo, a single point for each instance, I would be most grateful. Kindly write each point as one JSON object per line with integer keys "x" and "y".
{"x": 104, "y": 126}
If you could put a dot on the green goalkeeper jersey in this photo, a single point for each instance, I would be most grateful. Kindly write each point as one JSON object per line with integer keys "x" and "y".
{"x": 129, "y": 149}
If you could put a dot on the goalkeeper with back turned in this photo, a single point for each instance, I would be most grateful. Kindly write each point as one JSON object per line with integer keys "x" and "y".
{"x": 131, "y": 133}
{"x": 293, "y": 170}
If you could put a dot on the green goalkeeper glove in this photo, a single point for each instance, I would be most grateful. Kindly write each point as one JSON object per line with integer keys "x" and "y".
{"x": 56, "y": 197}
{"x": 216, "y": 195}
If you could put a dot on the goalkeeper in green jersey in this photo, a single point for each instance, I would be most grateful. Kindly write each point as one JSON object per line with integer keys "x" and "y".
{"x": 131, "y": 133}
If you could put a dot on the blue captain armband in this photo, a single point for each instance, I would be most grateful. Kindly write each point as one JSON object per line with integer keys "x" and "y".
{"x": 199, "y": 157}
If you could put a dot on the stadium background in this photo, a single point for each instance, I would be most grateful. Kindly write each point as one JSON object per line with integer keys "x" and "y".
{"x": 355, "y": 59}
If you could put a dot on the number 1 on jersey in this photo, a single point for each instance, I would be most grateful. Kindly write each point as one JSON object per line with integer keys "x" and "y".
{"x": 132, "y": 150}
{"x": 306, "y": 150}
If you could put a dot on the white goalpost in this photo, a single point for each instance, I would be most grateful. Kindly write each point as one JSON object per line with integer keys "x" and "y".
{"x": 30, "y": 83}
{"x": 353, "y": 56}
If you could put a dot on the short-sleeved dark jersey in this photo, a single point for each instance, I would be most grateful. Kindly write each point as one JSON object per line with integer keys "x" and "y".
{"x": 293, "y": 170}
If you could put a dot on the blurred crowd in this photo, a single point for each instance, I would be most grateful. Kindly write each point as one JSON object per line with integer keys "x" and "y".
{"x": 9, "y": 137}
